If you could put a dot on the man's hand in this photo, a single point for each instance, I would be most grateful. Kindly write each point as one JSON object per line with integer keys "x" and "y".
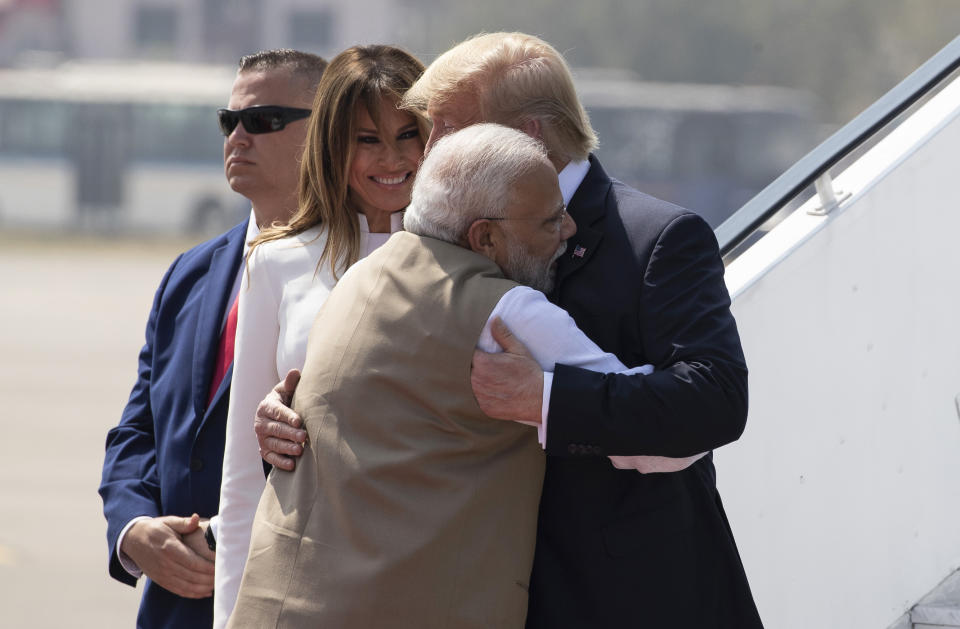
{"x": 655, "y": 464}
{"x": 197, "y": 542}
{"x": 158, "y": 547}
{"x": 278, "y": 427}
{"x": 508, "y": 385}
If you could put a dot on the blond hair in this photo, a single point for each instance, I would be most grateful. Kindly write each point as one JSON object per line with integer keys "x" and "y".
{"x": 361, "y": 76}
{"x": 516, "y": 78}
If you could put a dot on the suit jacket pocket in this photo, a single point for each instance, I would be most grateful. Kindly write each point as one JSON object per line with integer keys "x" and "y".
{"x": 663, "y": 531}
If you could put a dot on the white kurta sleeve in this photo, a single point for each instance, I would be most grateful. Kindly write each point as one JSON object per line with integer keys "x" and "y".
{"x": 553, "y": 337}
{"x": 549, "y": 333}
{"x": 254, "y": 374}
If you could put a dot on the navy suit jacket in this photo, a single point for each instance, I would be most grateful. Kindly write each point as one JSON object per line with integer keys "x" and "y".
{"x": 166, "y": 455}
{"x": 644, "y": 279}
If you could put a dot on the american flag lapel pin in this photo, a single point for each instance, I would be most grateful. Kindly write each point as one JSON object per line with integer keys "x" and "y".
{"x": 578, "y": 251}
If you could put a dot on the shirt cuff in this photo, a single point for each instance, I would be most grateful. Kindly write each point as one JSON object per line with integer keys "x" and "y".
{"x": 215, "y": 525}
{"x": 129, "y": 564}
{"x": 545, "y": 408}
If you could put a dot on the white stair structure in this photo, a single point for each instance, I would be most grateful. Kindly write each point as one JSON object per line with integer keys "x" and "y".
{"x": 940, "y": 608}
{"x": 844, "y": 492}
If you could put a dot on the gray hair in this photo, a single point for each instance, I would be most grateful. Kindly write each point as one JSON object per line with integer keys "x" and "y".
{"x": 467, "y": 175}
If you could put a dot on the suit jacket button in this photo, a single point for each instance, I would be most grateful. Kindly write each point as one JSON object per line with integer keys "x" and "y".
{"x": 196, "y": 464}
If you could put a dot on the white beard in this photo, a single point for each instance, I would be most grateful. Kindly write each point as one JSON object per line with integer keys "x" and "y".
{"x": 528, "y": 270}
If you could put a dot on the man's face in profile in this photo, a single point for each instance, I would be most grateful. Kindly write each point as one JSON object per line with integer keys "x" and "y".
{"x": 265, "y": 165}
{"x": 537, "y": 226}
{"x": 535, "y": 230}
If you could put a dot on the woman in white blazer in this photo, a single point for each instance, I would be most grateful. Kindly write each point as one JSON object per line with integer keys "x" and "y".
{"x": 358, "y": 166}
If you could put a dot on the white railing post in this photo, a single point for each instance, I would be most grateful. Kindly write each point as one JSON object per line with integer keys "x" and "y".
{"x": 830, "y": 199}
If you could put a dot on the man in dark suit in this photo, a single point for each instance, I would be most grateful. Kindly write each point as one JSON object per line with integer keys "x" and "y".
{"x": 161, "y": 474}
{"x": 644, "y": 279}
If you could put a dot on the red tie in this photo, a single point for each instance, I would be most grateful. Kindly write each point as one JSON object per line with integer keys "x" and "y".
{"x": 225, "y": 352}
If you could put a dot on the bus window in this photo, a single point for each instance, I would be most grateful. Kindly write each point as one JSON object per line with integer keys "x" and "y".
{"x": 708, "y": 148}
{"x": 639, "y": 142}
{"x": 123, "y": 147}
{"x": 32, "y": 128}
{"x": 176, "y": 133}
{"x": 99, "y": 149}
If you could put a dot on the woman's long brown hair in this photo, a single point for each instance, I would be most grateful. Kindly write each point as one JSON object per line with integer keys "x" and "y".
{"x": 361, "y": 76}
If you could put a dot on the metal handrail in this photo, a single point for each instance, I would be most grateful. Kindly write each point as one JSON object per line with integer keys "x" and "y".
{"x": 771, "y": 199}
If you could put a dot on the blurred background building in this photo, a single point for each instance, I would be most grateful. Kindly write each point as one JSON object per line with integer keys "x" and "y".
{"x": 190, "y": 31}
{"x": 109, "y": 102}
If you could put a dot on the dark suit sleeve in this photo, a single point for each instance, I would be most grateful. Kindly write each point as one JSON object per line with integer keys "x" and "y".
{"x": 696, "y": 400}
{"x": 130, "y": 484}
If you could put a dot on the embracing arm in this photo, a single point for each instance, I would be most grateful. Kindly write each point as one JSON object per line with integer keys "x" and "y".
{"x": 538, "y": 336}
{"x": 696, "y": 400}
{"x": 279, "y": 429}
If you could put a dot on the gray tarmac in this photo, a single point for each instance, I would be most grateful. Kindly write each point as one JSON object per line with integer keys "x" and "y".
{"x": 72, "y": 317}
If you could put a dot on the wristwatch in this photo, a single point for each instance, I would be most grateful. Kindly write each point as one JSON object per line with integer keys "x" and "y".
{"x": 211, "y": 540}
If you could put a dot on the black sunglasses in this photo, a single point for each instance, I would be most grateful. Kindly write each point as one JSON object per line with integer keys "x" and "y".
{"x": 259, "y": 119}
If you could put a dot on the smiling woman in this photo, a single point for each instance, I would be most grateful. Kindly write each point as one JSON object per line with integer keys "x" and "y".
{"x": 384, "y": 164}
{"x": 356, "y": 174}
{"x": 356, "y": 132}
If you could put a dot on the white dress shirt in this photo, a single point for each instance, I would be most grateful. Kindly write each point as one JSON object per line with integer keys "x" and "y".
{"x": 571, "y": 177}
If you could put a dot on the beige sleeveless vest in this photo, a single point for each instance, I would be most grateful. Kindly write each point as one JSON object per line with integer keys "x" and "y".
{"x": 409, "y": 507}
